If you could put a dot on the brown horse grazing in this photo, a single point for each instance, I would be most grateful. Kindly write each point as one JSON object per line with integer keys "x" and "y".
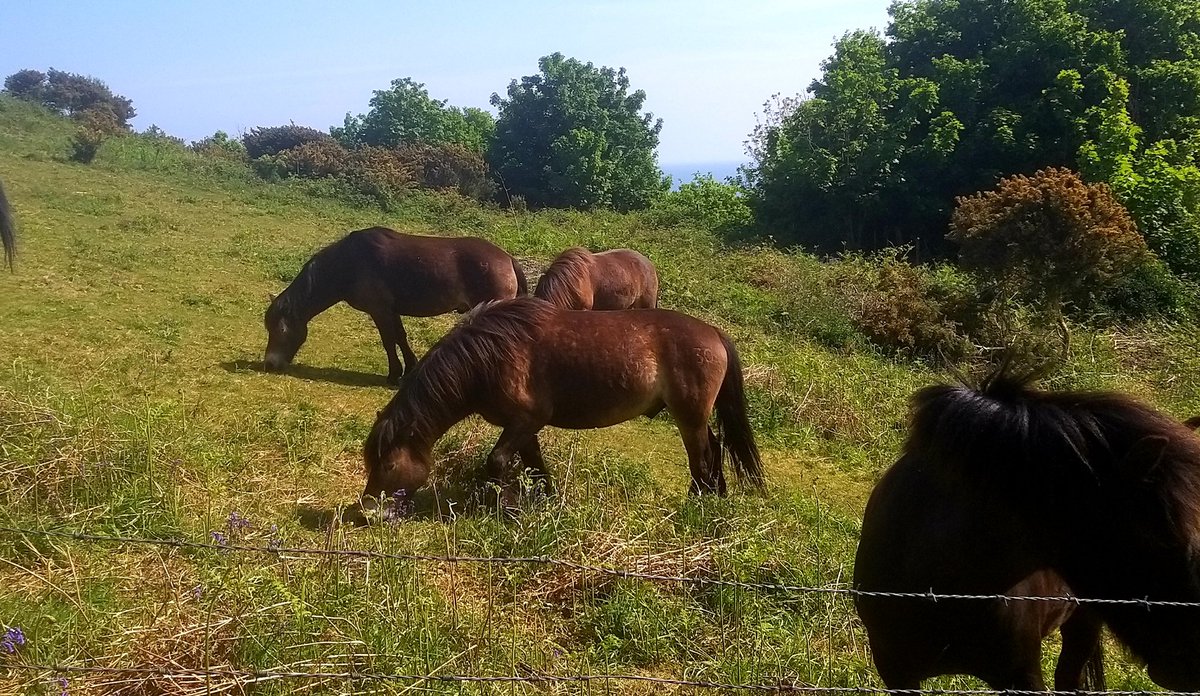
{"x": 388, "y": 274}
{"x": 1007, "y": 490}
{"x": 616, "y": 279}
{"x": 524, "y": 364}
{"x": 7, "y": 229}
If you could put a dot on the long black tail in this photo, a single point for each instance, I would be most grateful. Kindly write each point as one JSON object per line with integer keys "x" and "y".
{"x": 1081, "y": 660}
{"x": 736, "y": 434}
{"x": 7, "y": 229}
{"x": 522, "y": 284}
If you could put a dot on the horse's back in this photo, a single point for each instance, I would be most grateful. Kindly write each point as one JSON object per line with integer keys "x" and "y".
{"x": 602, "y": 368}
{"x": 426, "y": 275}
{"x": 624, "y": 279}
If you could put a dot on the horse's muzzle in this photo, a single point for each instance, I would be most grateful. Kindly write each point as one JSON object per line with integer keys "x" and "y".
{"x": 273, "y": 362}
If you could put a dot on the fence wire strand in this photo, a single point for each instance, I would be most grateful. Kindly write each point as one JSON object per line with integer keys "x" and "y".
{"x": 250, "y": 676}
{"x": 586, "y": 567}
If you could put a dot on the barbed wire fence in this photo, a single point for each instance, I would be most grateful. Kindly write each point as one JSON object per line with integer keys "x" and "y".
{"x": 244, "y": 677}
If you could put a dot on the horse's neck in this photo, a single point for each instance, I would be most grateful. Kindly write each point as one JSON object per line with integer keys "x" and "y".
{"x": 309, "y": 294}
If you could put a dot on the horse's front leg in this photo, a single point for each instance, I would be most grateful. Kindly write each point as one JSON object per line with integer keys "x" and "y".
{"x": 514, "y": 437}
{"x": 531, "y": 458}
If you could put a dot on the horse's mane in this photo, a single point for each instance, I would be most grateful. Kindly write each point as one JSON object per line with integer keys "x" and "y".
{"x": 1004, "y": 429}
{"x": 559, "y": 285}
{"x": 486, "y": 340}
{"x": 299, "y": 294}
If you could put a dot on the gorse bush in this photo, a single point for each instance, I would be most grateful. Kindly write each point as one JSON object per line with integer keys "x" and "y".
{"x": 220, "y": 145}
{"x": 907, "y": 309}
{"x": 70, "y": 94}
{"x": 94, "y": 128}
{"x": 1049, "y": 238}
{"x": 313, "y": 159}
{"x": 450, "y": 166}
{"x": 275, "y": 139}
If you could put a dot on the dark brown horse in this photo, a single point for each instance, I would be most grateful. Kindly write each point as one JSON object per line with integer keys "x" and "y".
{"x": 1007, "y": 490}
{"x": 616, "y": 279}
{"x": 388, "y": 275}
{"x": 524, "y": 364}
{"x": 7, "y": 229}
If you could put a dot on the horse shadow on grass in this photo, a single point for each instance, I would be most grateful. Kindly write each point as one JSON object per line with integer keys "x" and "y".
{"x": 333, "y": 375}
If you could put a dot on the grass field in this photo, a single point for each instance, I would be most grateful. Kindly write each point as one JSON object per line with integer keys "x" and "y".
{"x": 131, "y": 405}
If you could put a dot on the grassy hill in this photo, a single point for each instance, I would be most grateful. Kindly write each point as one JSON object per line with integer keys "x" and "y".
{"x": 131, "y": 405}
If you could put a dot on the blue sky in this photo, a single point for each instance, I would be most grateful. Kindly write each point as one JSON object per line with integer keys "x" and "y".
{"x": 195, "y": 67}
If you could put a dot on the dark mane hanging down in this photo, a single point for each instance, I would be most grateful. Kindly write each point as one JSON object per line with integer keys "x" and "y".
{"x": 483, "y": 342}
{"x": 1006, "y": 427}
{"x": 559, "y": 285}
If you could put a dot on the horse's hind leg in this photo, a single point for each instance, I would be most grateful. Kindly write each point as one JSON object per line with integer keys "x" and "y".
{"x": 389, "y": 331}
{"x": 698, "y": 441}
{"x": 410, "y": 358}
{"x": 1081, "y": 661}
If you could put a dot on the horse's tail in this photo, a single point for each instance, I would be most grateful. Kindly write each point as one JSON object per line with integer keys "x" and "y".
{"x": 7, "y": 229}
{"x": 522, "y": 283}
{"x": 1093, "y": 672}
{"x": 736, "y": 434}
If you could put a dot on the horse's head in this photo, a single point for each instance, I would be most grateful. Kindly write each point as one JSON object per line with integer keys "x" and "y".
{"x": 1146, "y": 544}
{"x": 396, "y": 464}
{"x": 285, "y": 334}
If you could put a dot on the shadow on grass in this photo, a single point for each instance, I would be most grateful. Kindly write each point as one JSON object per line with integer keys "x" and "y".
{"x": 428, "y": 504}
{"x": 333, "y": 375}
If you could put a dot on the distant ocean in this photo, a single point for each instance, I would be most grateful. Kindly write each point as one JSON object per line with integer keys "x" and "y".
{"x": 683, "y": 173}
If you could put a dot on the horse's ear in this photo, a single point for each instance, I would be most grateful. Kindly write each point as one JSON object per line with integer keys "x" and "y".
{"x": 1193, "y": 422}
{"x": 1146, "y": 455}
{"x": 270, "y": 296}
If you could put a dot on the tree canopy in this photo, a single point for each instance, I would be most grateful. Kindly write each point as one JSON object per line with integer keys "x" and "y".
{"x": 574, "y": 135}
{"x": 71, "y": 94}
{"x": 405, "y": 114}
{"x": 960, "y": 93}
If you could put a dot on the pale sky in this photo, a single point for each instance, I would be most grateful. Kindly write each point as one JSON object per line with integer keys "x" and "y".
{"x": 196, "y": 67}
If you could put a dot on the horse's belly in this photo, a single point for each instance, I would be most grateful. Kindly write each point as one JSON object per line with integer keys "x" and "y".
{"x": 587, "y": 409}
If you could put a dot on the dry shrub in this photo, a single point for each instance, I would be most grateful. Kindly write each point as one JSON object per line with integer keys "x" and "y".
{"x": 906, "y": 308}
{"x": 314, "y": 159}
{"x": 448, "y": 166}
{"x": 1048, "y": 238}
{"x": 380, "y": 172}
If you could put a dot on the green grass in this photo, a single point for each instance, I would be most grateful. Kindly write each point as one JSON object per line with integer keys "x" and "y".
{"x": 130, "y": 405}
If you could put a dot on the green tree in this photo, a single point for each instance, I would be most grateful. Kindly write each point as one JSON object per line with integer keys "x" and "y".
{"x": 405, "y": 114}
{"x": 574, "y": 135}
{"x": 960, "y": 93}
{"x": 72, "y": 95}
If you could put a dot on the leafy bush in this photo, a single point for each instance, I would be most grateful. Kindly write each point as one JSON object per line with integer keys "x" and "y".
{"x": 220, "y": 145}
{"x": 70, "y": 94}
{"x": 275, "y": 139}
{"x": 1049, "y": 238}
{"x": 405, "y": 115}
{"x": 706, "y": 203}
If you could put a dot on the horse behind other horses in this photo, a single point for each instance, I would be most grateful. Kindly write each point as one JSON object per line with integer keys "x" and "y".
{"x": 1004, "y": 489}
{"x": 616, "y": 279}
{"x": 387, "y": 274}
{"x": 524, "y": 364}
{"x": 7, "y": 229}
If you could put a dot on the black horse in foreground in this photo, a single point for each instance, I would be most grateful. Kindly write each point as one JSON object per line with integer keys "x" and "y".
{"x": 1008, "y": 490}
{"x": 388, "y": 274}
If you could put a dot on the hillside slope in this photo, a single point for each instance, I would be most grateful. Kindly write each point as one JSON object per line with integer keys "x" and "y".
{"x": 131, "y": 405}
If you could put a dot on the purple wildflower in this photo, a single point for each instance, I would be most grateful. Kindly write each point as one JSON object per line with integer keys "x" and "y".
{"x": 397, "y": 508}
{"x": 62, "y": 686}
{"x": 197, "y": 592}
{"x": 275, "y": 542}
{"x": 236, "y": 522}
{"x": 218, "y": 538}
{"x": 13, "y": 639}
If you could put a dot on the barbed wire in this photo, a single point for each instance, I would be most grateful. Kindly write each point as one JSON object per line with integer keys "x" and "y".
{"x": 591, "y": 568}
{"x": 782, "y": 685}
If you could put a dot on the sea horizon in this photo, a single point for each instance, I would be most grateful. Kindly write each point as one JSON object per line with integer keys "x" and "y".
{"x": 683, "y": 172}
